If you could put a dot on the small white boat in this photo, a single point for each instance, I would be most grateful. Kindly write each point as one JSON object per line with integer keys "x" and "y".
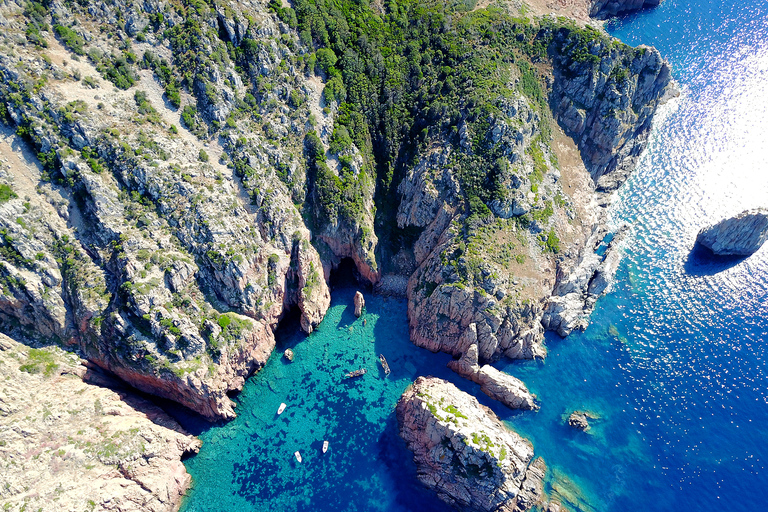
{"x": 298, "y": 456}
{"x": 280, "y": 411}
{"x": 325, "y": 446}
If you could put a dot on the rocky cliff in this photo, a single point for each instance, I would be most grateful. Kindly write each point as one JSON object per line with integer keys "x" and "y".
{"x": 177, "y": 176}
{"x": 67, "y": 444}
{"x": 496, "y": 269}
{"x": 465, "y": 453}
{"x": 128, "y": 236}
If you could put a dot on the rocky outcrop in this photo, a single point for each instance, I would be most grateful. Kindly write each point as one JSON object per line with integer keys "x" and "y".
{"x": 68, "y": 444}
{"x": 741, "y": 235}
{"x": 581, "y": 282}
{"x": 359, "y": 303}
{"x": 578, "y": 420}
{"x": 603, "y": 9}
{"x": 464, "y": 453}
{"x": 605, "y": 95}
{"x": 496, "y": 384}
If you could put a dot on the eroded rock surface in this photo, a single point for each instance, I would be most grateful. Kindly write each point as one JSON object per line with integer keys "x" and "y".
{"x": 71, "y": 445}
{"x": 496, "y": 384}
{"x": 741, "y": 235}
{"x": 465, "y": 453}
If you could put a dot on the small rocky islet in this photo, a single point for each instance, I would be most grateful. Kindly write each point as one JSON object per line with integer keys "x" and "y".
{"x": 737, "y": 236}
{"x": 177, "y": 176}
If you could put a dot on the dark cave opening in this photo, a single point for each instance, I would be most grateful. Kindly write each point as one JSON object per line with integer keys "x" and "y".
{"x": 346, "y": 275}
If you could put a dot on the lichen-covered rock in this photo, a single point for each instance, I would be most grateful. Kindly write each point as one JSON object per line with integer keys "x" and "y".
{"x": 68, "y": 444}
{"x": 465, "y": 453}
{"x": 359, "y": 303}
{"x": 740, "y": 235}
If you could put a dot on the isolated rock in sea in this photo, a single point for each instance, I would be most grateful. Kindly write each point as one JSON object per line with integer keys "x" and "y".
{"x": 496, "y": 384}
{"x": 603, "y": 9}
{"x": 578, "y": 420}
{"x": 359, "y": 304}
{"x": 68, "y": 444}
{"x": 288, "y": 354}
{"x": 741, "y": 235}
{"x": 465, "y": 453}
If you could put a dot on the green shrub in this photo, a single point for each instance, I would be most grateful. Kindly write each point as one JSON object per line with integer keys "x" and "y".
{"x": 224, "y": 321}
{"x": 188, "y": 116}
{"x": 71, "y": 39}
{"x": 6, "y": 193}
{"x": 202, "y": 156}
{"x": 39, "y": 361}
{"x": 118, "y": 70}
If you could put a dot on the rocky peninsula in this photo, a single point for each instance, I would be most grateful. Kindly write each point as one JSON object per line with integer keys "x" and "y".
{"x": 177, "y": 177}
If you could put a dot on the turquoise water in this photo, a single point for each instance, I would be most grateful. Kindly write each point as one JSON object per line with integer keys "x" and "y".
{"x": 249, "y": 463}
{"x": 674, "y": 362}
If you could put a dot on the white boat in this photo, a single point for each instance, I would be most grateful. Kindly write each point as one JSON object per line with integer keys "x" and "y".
{"x": 280, "y": 411}
{"x": 298, "y": 456}
{"x": 325, "y": 446}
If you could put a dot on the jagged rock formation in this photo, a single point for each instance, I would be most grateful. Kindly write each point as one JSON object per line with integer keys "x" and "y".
{"x": 605, "y": 96}
{"x": 68, "y": 444}
{"x": 494, "y": 383}
{"x": 465, "y": 453}
{"x": 741, "y": 235}
{"x": 359, "y": 303}
{"x": 603, "y": 9}
{"x": 581, "y": 282}
{"x": 203, "y": 168}
{"x": 170, "y": 269}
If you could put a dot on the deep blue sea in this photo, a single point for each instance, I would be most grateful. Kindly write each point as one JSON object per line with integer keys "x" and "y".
{"x": 673, "y": 363}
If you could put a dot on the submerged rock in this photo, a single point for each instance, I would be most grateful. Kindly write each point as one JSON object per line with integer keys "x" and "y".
{"x": 359, "y": 304}
{"x": 741, "y": 235}
{"x": 465, "y": 453}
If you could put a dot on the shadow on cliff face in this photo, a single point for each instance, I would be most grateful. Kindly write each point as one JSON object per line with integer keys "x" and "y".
{"x": 346, "y": 275}
{"x": 703, "y": 262}
{"x": 411, "y": 494}
{"x": 159, "y": 411}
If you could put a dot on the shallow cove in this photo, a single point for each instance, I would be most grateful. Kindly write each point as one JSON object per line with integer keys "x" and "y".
{"x": 248, "y": 464}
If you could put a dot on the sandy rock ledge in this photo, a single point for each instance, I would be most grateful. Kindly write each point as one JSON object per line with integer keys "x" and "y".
{"x": 68, "y": 445}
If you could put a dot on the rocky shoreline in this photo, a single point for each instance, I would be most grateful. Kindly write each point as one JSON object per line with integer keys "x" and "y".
{"x": 465, "y": 453}
{"x": 176, "y": 180}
